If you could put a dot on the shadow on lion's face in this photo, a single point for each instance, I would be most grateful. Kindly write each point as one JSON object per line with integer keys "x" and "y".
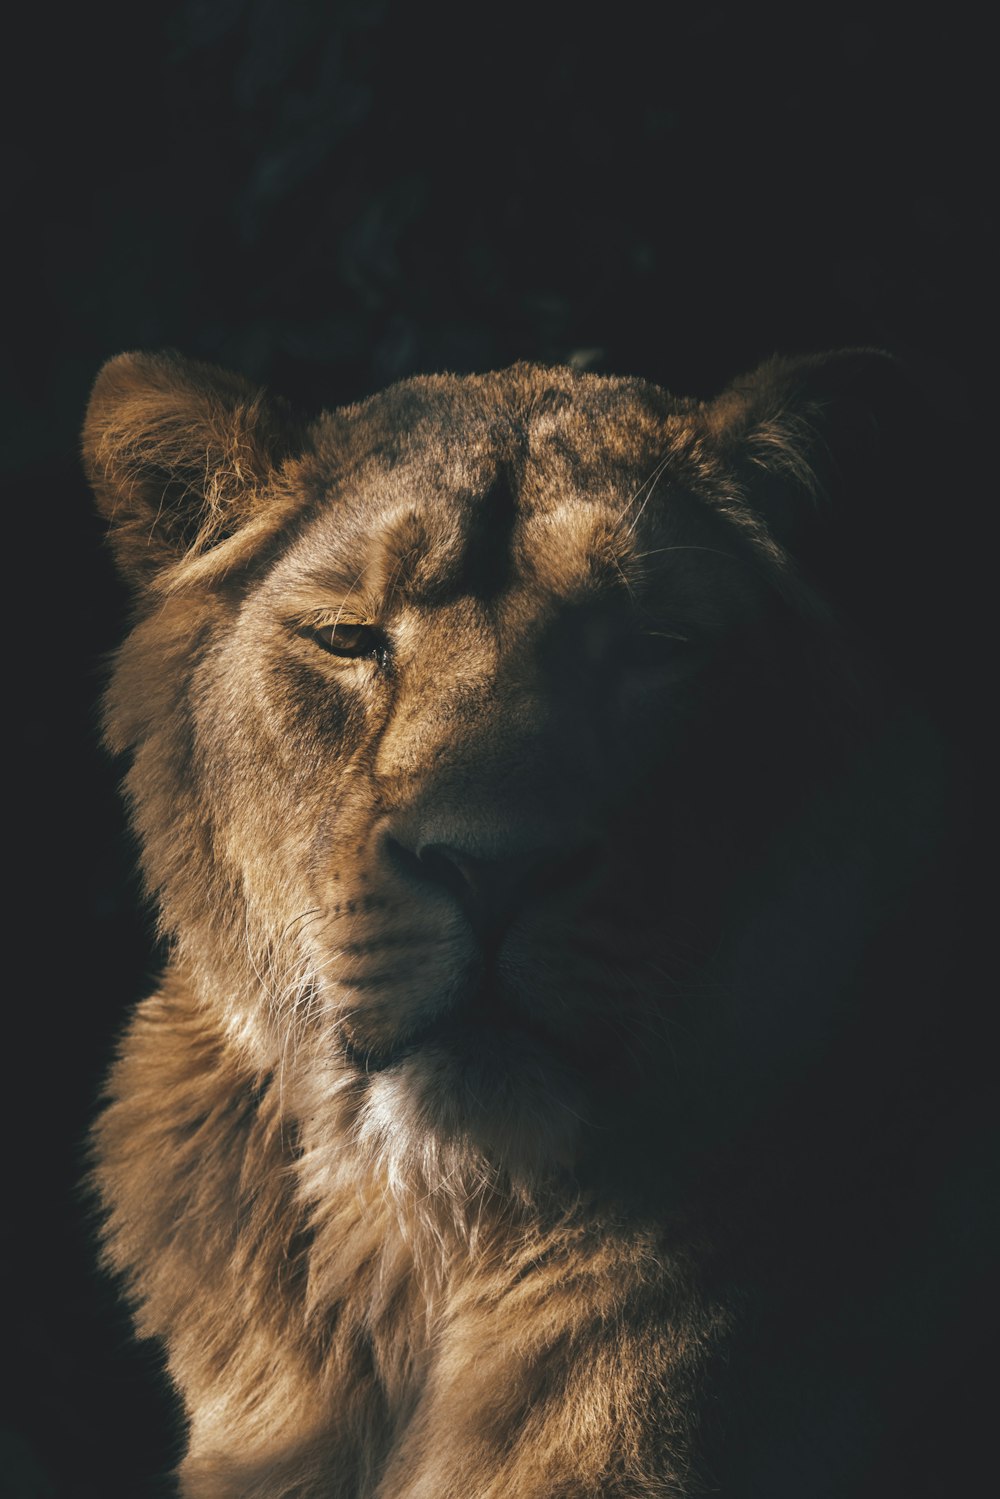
{"x": 479, "y": 711}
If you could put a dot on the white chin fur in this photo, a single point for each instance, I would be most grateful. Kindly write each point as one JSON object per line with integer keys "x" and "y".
{"x": 437, "y": 1122}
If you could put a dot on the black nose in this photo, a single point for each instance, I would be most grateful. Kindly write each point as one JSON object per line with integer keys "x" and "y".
{"x": 489, "y": 890}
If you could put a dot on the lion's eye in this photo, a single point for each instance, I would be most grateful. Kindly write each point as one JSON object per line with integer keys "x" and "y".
{"x": 349, "y": 640}
{"x": 656, "y": 647}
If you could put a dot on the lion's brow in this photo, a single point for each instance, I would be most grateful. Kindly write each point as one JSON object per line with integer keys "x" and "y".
{"x": 490, "y": 536}
{"x": 466, "y": 544}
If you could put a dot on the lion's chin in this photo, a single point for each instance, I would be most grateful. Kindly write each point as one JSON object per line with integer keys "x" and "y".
{"x": 473, "y": 1103}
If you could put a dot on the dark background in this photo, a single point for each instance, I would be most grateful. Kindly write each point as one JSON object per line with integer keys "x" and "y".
{"x": 329, "y": 196}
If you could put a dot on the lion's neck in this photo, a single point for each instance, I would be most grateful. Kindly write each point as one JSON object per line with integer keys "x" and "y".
{"x": 235, "y": 1207}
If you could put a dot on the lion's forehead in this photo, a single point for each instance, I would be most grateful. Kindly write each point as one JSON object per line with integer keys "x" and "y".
{"x": 483, "y": 494}
{"x": 579, "y": 439}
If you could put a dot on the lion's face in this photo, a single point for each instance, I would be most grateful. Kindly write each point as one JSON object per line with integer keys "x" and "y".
{"x": 457, "y": 729}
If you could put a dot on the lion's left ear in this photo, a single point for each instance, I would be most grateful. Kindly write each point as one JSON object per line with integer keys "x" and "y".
{"x": 824, "y": 447}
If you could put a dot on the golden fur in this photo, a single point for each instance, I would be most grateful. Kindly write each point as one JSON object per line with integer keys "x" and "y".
{"x": 483, "y": 738}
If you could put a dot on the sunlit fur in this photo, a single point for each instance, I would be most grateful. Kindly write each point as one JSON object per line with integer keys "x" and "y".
{"x": 396, "y": 1246}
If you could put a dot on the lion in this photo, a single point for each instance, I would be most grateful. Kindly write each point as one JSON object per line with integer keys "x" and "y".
{"x": 532, "y": 817}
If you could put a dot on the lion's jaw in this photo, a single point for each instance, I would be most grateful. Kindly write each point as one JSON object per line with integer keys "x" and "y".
{"x": 475, "y": 1054}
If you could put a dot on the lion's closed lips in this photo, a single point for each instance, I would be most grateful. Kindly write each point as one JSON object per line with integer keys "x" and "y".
{"x": 481, "y": 1030}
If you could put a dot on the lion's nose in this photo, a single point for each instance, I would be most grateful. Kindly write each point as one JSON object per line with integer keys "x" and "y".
{"x": 489, "y": 890}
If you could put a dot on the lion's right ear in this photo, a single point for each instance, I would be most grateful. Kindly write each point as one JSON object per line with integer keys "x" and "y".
{"x": 178, "y": 454}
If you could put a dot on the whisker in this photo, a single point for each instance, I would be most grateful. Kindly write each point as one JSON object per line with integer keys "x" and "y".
{"x": 649, "y": 484}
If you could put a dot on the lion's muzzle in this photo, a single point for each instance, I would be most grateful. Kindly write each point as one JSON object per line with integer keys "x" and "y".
{"x": 490, "y": 890}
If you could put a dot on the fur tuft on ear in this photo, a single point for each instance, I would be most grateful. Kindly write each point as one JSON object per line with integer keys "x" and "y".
{"x": 813, "y": 430}
{"x": 833, "y": 460}
{"x": 178, "y": 454}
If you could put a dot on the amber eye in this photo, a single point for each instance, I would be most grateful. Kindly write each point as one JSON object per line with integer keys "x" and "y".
{"x": 349, "y": 640}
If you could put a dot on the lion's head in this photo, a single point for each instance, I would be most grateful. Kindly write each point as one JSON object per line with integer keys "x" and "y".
{"x": 463, "y": 722}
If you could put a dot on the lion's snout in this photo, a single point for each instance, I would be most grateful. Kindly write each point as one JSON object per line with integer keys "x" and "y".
{"x": 477, "y": 916}
{"x": 490, "y": 889}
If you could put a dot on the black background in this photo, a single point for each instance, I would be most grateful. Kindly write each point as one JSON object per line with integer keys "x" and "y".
{"x": 328, "y": 196}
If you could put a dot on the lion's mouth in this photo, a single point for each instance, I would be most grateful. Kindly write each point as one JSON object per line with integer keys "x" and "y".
{"x": 487, "y": 1030}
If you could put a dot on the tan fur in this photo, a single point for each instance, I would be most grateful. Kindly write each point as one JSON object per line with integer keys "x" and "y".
{"x": 388, "y": 1261}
